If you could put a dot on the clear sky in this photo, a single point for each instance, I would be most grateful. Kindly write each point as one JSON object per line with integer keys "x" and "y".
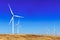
{"x": 40, "y": 16}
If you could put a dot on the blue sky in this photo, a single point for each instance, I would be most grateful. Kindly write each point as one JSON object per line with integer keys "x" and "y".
{"x": 39, "y": 16}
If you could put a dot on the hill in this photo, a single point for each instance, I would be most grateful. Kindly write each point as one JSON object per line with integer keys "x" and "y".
{"x": 27, "y": 37}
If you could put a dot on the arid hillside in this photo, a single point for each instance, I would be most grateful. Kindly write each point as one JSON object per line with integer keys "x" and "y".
{"x": 27, "y": 37}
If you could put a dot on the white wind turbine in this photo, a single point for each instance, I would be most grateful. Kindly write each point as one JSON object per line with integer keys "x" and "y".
{"x": 12, "y": 19}
{"x": 18, "y": 24}
{"x": 54, "y": 30}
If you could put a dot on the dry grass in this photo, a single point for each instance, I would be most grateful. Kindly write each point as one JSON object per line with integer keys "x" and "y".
{"x": 27, "y": 37}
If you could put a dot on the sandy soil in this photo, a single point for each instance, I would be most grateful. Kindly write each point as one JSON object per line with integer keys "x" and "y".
{"x": 27, "y": 37}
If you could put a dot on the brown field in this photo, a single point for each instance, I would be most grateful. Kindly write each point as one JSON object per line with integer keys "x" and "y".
{"x": 27, "y": 37}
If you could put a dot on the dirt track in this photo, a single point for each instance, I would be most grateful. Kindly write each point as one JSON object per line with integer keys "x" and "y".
{"x": 27, "y": 37}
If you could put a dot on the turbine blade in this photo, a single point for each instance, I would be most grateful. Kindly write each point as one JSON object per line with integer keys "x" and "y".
{"x": 11, "y": 20}
{"x": 19, "y": 16}
{"x": 10, "y": 9}
{"x": 16, "y": 16}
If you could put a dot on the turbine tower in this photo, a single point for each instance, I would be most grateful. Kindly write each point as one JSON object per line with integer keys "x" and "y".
{"x": 12, "y": 19}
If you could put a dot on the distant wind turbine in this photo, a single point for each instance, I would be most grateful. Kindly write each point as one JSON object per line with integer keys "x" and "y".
{"x": 54, "y": 30}
{"x": 12, "y": 19}
{"x": 48, "y": 29}
{"x": 18, "y": 24}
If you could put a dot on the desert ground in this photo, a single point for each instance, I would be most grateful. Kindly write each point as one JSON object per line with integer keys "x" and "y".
{"x": 27, "y": 37}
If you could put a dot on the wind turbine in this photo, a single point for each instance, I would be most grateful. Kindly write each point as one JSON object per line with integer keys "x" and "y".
{"x": 48, "y": 29}
{"x": 54, "y": 30}
{"x": 12, "y": 19}
{"x": 18, "y": 24}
